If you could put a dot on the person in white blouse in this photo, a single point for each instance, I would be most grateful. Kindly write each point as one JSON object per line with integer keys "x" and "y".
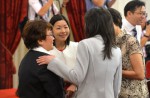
{"x": 64, "y": 49}
{"x": 98, "y": 68}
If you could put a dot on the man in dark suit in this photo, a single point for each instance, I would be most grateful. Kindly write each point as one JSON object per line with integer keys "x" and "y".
{"x": 36, "y": 81}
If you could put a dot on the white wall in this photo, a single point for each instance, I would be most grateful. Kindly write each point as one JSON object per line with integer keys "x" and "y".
{"x": 147, "y": 7}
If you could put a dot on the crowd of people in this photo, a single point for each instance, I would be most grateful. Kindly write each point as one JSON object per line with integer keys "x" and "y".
{"x": 108, "y": 63}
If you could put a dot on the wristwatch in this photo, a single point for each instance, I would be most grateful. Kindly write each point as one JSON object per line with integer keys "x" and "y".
{"x": 146, "y": 36}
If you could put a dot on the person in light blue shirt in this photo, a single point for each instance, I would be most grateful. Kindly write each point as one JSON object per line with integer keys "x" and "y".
{"x": 89, "y": 4}
{"x": 106, "y": 3}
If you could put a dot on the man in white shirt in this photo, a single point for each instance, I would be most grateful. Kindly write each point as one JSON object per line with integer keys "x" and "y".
{"x": 134, "y": 13}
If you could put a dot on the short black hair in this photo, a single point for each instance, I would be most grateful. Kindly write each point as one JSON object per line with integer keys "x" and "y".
{"x": 33, "y": 31}
{"x": 59, "y": 17}
{"x": 132, "y": 6}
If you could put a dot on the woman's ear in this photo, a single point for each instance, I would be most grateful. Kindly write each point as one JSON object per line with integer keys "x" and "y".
{"x": 40, "y": 42}
{"x": 116, "y": 28}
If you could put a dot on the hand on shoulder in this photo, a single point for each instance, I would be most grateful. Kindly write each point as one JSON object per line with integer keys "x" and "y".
{"x": 44, "y": 59}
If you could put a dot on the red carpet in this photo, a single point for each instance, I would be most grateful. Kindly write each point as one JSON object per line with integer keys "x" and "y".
{"x": 8, "y": 93}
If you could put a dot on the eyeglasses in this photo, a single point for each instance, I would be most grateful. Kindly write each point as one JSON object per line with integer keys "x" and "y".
{"x": 142, "y": 13}
{"x": 49, "y": 35}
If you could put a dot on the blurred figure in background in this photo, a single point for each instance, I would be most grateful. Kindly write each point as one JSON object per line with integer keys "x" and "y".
{"x": 44, "y": 9}
{"x": 64, "y": 4}
{"x": 143, "y": 25}
{"x": 145, "y": 31}
{"x": 98, "y": 3}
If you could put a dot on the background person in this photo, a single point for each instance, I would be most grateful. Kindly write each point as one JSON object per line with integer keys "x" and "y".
{"x": 98, "y": 3}
{"x": 98, "y": 68}
{"x": 43, "y": 8}
{"x": 146, "y": 40}
{"x": 36, "y": 81}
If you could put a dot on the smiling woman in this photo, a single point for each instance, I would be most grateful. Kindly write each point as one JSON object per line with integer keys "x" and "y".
{"x": 63, "y": 47}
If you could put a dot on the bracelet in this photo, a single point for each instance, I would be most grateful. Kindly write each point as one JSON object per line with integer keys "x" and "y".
{"x": 146, "y": 36}
{"x": 63, "y": 5}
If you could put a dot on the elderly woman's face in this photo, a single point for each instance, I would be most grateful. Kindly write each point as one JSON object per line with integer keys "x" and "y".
{"x": 48, "y": 42}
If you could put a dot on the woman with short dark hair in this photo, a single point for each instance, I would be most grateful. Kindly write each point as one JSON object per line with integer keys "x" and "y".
{"x": 36, "y": 81}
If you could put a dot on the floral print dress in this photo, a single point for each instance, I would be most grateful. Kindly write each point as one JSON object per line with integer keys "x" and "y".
{"x": 130, "y": 88}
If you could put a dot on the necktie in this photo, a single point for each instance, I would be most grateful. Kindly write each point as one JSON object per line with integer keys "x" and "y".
{"x": 53, "y": 9}
{"x": 134, "y": 33}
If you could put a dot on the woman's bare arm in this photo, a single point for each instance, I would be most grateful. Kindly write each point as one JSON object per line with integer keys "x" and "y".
{"x": 137, "y": 66}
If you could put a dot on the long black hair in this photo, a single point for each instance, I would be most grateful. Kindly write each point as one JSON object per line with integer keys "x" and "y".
{"x": 117, "y": 19}
{"x": 98, "y": 21}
